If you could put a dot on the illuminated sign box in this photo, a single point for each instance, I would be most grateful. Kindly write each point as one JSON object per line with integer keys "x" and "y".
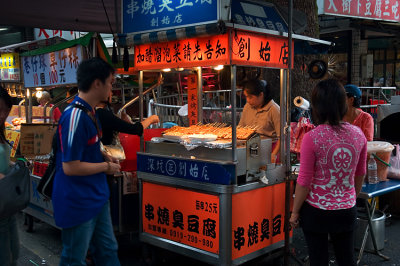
{"x": 10, "y": 67}
{"x": 146, "y": 16}
{"x": 234, "y": 47}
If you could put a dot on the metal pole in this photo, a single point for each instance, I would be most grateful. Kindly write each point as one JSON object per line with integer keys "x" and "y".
{"x": 287, "y": 136}
{"x": 29, "y": 113}
{"x": 233, "y": 107}
{"x": 199, "y": 95}
{"x": 283, "y": 96}
{"x": 141, "y": 106}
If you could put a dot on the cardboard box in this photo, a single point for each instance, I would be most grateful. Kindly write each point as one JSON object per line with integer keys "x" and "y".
{"x": 36, "y": 139}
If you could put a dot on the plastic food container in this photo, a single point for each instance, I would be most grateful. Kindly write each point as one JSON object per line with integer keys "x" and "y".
{"x": 382, "y": 150}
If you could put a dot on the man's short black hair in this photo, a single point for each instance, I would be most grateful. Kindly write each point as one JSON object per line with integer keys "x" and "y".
{"x": 91, "y": 69}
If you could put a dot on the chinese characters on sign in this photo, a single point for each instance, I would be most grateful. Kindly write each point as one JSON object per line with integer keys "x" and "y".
{"x": 371, "y": 9}
{"x": 150, "y": 15}
{"x": 193, "y": 221}
{"x": 260, "y": 50}
{"x": 192, "y": 99}
{"x": 51, "y": 69}
{"x": 9, "y": 67}
{"x": 193, "y": 52}
{"x": 256, "y": 226}
{"x": 42, "y": 34}
{"x": 188, "y": 169}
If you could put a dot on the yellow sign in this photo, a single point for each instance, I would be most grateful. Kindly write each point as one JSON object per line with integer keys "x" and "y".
{"x": 13, "y": 138}
{"x": 8, "y": 61}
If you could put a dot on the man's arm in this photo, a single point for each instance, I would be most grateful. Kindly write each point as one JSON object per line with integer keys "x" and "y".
{"x": 78, "y": 168}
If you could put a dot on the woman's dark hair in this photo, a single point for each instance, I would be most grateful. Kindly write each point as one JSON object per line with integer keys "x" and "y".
{"x": 256, "y": 86}
{"x": 8, "y": 102}
{"x": 328, "y": 101}
{"x": 92, "y": 69}
{"x": 357, "y": 100}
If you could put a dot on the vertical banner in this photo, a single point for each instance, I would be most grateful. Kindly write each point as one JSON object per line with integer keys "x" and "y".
{"x": 181, "y": 215}
{"x": 192, "y": 99}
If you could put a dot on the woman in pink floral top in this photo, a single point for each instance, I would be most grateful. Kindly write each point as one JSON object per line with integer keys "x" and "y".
{"x": 332, "y": 169}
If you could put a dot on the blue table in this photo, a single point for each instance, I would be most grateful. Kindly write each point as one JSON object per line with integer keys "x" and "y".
{"x": 371, "y": 191}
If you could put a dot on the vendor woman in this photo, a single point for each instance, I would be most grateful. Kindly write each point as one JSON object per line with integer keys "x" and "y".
{"x": 355, "y": 115}
{"x": 262, "y": 113}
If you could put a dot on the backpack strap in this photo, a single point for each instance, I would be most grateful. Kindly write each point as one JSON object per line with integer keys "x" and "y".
{"x": 91, "y": 115}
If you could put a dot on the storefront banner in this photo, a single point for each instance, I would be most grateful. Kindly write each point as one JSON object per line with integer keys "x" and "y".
{"x": 259, "y": 50}
{"x": 145, "y": 16}
{"x": 55, "y": 68}
{"x": 257, "y": 219}
{"x": 196, "y": 170}
{"x": 370, "y": 9}
{"x": 43, "y": 34}
{"x": 9, "y": 67}
{"x": 181, "y": 215}
{"x": 260, "y": 15}
{"x": 205, "y": 51}
{"x": 13, "y": 137}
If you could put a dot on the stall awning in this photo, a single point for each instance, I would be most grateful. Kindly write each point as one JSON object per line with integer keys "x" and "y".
{"x": 173, "y": 34}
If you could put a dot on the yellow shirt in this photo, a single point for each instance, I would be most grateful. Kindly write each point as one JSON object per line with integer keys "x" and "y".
{"x": 266, "y": 119}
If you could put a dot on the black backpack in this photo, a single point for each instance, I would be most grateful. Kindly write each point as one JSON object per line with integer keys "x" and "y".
{"x": 45, "y": 186}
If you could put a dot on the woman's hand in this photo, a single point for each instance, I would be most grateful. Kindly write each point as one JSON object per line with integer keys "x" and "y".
{"x": 294, "y": 220}
{"x": 154, "y": 119}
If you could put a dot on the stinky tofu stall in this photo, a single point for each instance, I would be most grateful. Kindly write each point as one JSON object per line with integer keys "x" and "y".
{"x": 192, "y": 200}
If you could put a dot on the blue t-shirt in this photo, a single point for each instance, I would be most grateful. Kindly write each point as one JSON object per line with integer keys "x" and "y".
{"x": 77, "y": 199}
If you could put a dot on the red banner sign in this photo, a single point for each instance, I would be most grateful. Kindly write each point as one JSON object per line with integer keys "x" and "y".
{"x": 206, "y": 51}
{"x": 181, "y": 215}
{"x": 259, "y": 50}
{"x": 370, "y": 9}
{"x": 192, "y": 99}
{"x": 257, "y": 219}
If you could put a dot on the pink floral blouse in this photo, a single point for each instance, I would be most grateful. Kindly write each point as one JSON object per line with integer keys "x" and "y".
{"x": 330, "y": 158}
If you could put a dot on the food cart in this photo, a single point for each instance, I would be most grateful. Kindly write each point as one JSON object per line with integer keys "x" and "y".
{"x": 193, "y": 200}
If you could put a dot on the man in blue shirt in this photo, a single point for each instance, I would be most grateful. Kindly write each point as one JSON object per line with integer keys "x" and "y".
{"x": 80, "y": 191}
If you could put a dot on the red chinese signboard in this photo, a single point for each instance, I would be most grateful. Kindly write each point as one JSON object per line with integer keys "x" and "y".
{"x": 244, "y": 48}
{"x": 257, "y": 219}
{"x": 370, "y": 9}
{"x": 192, "y": 99}
{"x": 259, "y": 50}
{"x": 181, "y": 215}
{"x": 206, "y": 51}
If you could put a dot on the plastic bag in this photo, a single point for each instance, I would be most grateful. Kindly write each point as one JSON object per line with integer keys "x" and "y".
{"x": 298, "y": 130}
{"x": 114, "y": 150}
{"x": 394, "y": 169}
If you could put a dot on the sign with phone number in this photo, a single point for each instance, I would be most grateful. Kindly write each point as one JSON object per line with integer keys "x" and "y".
{"x": 193, "y": 221}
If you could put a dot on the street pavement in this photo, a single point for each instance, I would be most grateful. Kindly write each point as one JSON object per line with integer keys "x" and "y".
{"x": 43, "y": 245}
